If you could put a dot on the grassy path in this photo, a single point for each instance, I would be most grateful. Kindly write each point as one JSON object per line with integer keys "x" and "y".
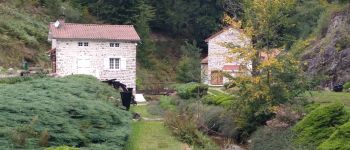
{"x": 151, "y": 135}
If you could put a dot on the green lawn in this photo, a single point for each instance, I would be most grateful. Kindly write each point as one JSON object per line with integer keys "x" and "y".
{"x": 151, "y": 135}
{"x": 324, "y": 97}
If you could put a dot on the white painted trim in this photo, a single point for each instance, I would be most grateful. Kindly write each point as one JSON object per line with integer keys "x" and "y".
{"x": 107, "y": 67}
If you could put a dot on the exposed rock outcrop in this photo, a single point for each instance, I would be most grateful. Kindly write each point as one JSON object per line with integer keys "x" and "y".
{"x": 329, "y": 56}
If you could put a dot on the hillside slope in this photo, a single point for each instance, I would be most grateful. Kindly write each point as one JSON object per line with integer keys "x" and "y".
{"x": 329, "y": 55}
{"x": 23, "y": 35}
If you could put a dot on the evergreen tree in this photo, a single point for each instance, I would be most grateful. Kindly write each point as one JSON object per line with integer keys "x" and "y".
{"x": 147, "y": 46}
{"x": 189, "y": 68}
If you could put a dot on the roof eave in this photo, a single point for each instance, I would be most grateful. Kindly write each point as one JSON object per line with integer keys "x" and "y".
{"x": 124, "y": 40}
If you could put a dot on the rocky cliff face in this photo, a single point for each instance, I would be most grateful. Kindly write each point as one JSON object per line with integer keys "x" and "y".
{"x": 329, "y": 56}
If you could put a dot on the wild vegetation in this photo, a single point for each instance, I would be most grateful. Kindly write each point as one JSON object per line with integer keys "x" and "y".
{"x": 271, "y": 107}
{"x": 319, "y": 125}
{"x": 77, "y": 111}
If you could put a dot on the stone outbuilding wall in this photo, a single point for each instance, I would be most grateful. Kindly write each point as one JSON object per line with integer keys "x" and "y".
{"x": 218, "y": 53}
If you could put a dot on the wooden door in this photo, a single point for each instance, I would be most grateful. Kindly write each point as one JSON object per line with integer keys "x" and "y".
{"x": 217, "y": 78}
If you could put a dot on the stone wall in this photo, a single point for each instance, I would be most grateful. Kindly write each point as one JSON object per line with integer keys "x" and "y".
{"x": 218, "y": 53}
{"x": 96, "y": 60}
{"x": 204, "y": 74}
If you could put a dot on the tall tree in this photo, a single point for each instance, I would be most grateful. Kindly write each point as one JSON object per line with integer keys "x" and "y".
{"x": 145, "y": 14}
{"x": 268, "y": 24}
{"x": 194, "y": 20}
{"x": 189, "y": 68}
{"x": 275, "y": 80}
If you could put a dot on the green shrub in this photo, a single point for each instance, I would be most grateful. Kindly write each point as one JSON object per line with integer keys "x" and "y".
{"x": 184, "y": 127}
{"x": 166, "y": 103}
{"x": 13, "y": 80}
{"x": 62, "y": 148}
{"x": 267, "y": 138}
{"x": 191, "y": 90}
{"x": 154, "y": 109}
{"x": 220, "y": 99}
{"x": 217, "y": 119}
{"x": 347, "y": 85}
{"x": 317, "y": 126}
{"x": 339, "y": 140}
{"x": 78, "y": 111}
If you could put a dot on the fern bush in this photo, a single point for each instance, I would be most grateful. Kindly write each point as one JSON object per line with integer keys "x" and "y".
{"x": 77, "y": 111}
{"x": 340, "y": 139}
{"x": 219, "y": 99}
{"x": 317, "y": 126}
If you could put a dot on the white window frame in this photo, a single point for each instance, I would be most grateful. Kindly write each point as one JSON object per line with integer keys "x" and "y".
{"x": 107, "y": 63}
{"x": 114, "y": 44}
{"x": 113, "y": 63}
{"x": 83, "y": 44}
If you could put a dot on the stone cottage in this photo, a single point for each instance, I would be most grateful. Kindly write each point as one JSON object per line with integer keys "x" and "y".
{"x": 217, "y": 60}
{"x": 103, "y": 51}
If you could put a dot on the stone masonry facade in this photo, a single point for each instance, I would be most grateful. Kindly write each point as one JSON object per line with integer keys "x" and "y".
{"x": 94, "y": 59}
{"x": 218, "y": 53}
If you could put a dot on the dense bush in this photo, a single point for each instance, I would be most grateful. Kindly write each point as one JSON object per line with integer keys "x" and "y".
{"x": 191, "y": 90}
{"x": 167, "y": 103}
{"x": 267, "y": 138}
{"x": 164, "y": 104}
{"x": 216, "y": 120}
{"x": 184, "y": 127}
{"x": 62, "y": 148}
{"x": 77, "y": 111}
{"x": 347, "y": 85}
{"x": 317, "y": 126}
{"x": 339, "y": 140}
{"x": 219, "y": 99}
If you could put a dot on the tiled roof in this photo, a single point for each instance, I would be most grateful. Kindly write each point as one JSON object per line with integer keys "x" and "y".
{"x": 205, "y": 60}
{"x": 93, "y": 31}
{"x": 231, "y": 67}
{"x": 222, "y": 31}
